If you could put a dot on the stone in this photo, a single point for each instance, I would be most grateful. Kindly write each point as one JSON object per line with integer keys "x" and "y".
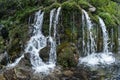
{"x": 68, "y": 73}
{"x": 23, "y": 74}
{"x": 44, "y": 53}
{"x": 92, "y": 8}
{"x": 10, "y": 74}
{"x": 2, "y": 77}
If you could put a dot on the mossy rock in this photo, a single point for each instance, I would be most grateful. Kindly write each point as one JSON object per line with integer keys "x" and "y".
{"x": 70, "y": 6}
{"x": 84, "y": 4}
{"x": 49, "y": 8}
{"x": 67, "y": 55}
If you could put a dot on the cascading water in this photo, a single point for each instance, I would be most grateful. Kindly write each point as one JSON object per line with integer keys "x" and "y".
{"x": 94, "y": 58}
{"x": 15, "y": 63}
{"x": 52, "y": 40}
{"x": 38, "y": 41}
{"x": 105, "y": 36}
{"x": 90, "y": 48}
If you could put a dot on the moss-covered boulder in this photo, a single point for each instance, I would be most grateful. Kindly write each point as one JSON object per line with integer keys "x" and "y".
{"x": 67, "y": 55}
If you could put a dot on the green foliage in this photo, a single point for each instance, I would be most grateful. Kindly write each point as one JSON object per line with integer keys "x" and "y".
{"x": 83, "y": 4}
{"x": 54, "y": 5}
{"x": 98, "y": 3}
{"x": 70, "y": 6}
{"x": 108, "y": 10}
{"x": 22, "y": 15}
{"x": 18, "y": 37}
{"x": 109, "y": 21}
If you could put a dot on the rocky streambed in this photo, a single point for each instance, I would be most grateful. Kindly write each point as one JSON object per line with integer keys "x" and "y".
{"x": 23, "y": 71}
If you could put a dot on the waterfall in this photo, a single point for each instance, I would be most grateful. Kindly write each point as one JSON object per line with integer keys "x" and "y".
{"x": 38, "y": 41}
{"x": 105, "y": 35}
{"x": 94, "y": 59}
{"x": 52, "y": 40}
{"x": 90, "y": 48}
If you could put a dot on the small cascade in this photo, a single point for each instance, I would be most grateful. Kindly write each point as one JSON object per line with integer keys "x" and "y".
{"x": 94, "y": 59}
{"x": 38, "y": 41}
{"x": 90, "y": 44}
{"x": 15, "y": 63}
{"x": 52, "y": 40}
{"x": 105, "y": 36}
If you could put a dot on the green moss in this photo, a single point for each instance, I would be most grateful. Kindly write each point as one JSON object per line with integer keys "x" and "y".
{"x": 18, "y": 37}
{"x": 54, "y": 5}
{"x": 94, "y": 18}
{"x": 83, "y": 4}
{"x": 108, "y": 19}
{"x": 21, "y": 16}
{"x": 66, "y": 55}
{"x": 70, "y": 6}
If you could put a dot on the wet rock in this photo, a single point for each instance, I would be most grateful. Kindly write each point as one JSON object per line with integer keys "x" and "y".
{"x": 92, "y": 8}
{"x": 22, "y": 74}
{"x": 1, "y": 57}
{"x": 25, "y": 62}
{"x": 4, "y": 59}
{"x": 68, "y": 73}
{"x": 4, "y": 33}
{"x": 44, "y": 53}
{"x": 10, "y": 75}
{"x": 2, "y": 77}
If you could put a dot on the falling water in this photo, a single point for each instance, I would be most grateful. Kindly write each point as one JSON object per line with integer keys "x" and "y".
{"x": 52, "y": 40}
{"x": 105, "y": 36}
{"x": 38, "y": 41}
{"x": 83, "y": 32}
{"x": 90, "y": 38}
{"x": 95, "y": 59}
{"x": 15, "y": 63}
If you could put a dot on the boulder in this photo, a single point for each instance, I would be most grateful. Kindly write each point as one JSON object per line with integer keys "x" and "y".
{"x": 44, "y": 53}
{"x": 68, "y": 55}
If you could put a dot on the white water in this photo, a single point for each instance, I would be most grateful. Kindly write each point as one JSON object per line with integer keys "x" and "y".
{"x": 96, "y": 59}
{"x": 38, "y": 41}
{"x": 105, "y": 35}
{"x": 15, "y": 63}
{"x": 52, "y": 40}
{"x": 90, "y": 45}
